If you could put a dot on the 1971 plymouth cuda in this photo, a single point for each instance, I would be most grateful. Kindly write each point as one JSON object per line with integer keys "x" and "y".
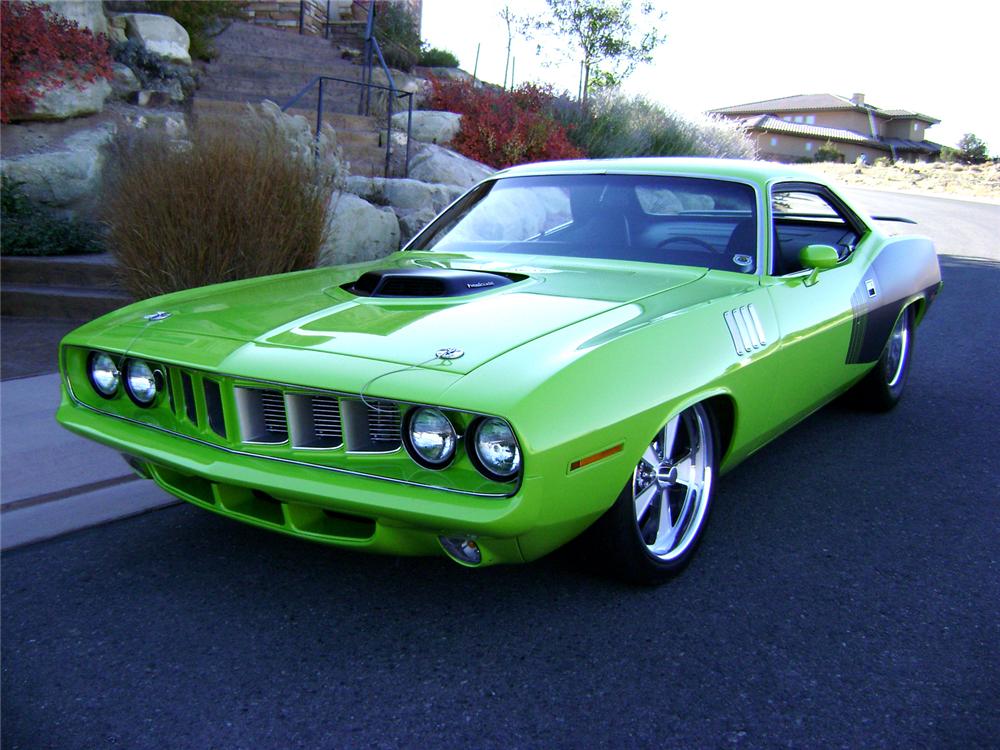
{"x": 569, "y": 346}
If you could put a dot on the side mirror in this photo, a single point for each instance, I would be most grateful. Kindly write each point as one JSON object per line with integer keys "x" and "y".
{"x": 818, "y": 258}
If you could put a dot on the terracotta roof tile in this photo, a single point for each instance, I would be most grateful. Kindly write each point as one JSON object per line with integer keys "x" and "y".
{"x": 774, "y": 125}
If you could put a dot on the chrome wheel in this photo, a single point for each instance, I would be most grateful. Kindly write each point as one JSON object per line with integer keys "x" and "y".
{"x": 672, "y": 484}
{"x": 897, "y": 350}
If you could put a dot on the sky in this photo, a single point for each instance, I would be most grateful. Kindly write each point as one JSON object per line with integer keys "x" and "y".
{"x": 936, "y": 58}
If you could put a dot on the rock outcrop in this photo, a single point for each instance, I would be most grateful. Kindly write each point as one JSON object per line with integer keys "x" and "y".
{"x": 413, "y": 202}
{"x": 436, "y": 164}
{"x": 71, "y": 99}
{"x": 159, "y": 34}
{"x": 67, "y": 177}
{"x": 430, "y": 126}
{"x": 358, "y": 232}
{"x": 87, "y": 13}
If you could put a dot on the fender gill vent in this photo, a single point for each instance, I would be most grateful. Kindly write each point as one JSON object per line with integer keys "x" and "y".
{"x": 427, "y": 282}
{"x": 746, "y": 329}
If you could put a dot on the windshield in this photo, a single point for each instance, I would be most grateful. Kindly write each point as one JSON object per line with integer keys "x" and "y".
{"x": 675, "y": 220}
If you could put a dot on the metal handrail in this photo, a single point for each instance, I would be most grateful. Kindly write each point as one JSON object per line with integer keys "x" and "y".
{"x": 392, "y": 93}
{"x": 372, "y": 50}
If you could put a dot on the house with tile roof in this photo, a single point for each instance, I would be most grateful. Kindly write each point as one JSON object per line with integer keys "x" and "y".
{"x": 794, "y": 128}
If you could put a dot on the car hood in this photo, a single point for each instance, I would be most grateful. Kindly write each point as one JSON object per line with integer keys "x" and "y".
{"x": 311, "y": 310}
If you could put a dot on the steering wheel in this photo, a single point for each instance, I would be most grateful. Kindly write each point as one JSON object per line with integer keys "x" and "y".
{"x": 685, "y": 238}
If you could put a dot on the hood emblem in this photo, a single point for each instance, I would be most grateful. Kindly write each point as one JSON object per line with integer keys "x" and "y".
{"x": 449, "y": 353}
{"x": 154, "y": 317}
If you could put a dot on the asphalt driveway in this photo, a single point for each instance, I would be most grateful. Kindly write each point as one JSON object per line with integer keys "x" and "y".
{"x": 847, "y": 594}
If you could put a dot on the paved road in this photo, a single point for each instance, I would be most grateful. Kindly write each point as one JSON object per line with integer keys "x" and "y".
{"x": 847, "y": 594}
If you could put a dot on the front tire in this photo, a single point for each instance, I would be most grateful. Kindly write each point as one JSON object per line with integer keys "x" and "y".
{"x": 655, "y": 525}
{"x": 882, "y": 387}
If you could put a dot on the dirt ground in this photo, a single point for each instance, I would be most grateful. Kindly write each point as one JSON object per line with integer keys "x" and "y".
{"x": 959, "y": 180}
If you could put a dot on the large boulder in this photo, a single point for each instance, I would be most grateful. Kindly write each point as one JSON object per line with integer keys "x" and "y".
{"x": 87, "y": 13}
{"x": 415, "y": 203}
{"x": 68, "y": 177}
{"x": 432, "y": 163}
{"x": 358, "y": 231}
{"x": 159, "y": 34}
{"x": 430, "y": 126}
{"x": 403, "y": 194}
{"x": 71, "y": 99}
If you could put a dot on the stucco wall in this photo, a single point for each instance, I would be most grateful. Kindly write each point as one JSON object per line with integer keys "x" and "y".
{"x": 790, "y": 148}
{"x": 904, "y": 129}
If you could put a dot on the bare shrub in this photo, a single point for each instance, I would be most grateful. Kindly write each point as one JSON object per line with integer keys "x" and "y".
{"x": 233, "y": 203}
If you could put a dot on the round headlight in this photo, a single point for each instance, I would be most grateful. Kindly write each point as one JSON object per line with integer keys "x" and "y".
{"x": 496, "y": 449}
{"x": 430, "y": 437}
{"x": 104, "y": 375}
{"x": 140, "y": 381}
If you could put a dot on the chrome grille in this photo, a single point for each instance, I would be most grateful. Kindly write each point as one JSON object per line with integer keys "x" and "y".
{"x": 314, "y": 421}
{"x": 318, "y": 421}
{"x": 384, "y": 421}
{"x": 326, "y": 418}
{"x": 272, "y": 405}
{"x": 262, "y": 415}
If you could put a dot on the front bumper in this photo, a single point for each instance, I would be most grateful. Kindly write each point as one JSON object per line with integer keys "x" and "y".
{"x": 357, "y": 512}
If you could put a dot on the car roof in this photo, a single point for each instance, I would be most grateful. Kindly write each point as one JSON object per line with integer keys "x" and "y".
{"x": 759, "y": 172}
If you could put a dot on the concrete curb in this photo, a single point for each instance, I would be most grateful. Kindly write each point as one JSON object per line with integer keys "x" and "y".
{"x": 38, "y": 522}
{"x": 55, "y": 482}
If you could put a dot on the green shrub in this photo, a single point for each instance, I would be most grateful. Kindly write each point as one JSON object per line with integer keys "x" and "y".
{"x": 828, "y": 152}
{"x": 950, "y": 155}
{"x": 432, "y": 57}
{"x": 613, "y": 125}
{"x": 30, "y": 229}
{"x": 396, "y": 31}
{"x": 234, "y": 203}
{"x": 972, "y": 149}
{"x": 398, "y": 56}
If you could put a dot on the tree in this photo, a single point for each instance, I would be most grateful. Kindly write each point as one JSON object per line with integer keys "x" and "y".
{"x": 607, "y": 42}
{"x": 972, "y": 150}
{"x": 508, "y": 17}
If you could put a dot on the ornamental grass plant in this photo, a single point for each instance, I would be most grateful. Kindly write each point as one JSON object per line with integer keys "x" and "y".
{"x": 615, "y": 125}
{"x": 230, "y": 203}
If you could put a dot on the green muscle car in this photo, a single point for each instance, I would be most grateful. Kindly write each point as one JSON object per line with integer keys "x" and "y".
{"x": 570, "y": 346}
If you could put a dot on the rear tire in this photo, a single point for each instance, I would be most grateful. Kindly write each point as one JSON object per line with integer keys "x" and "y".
{"x": 652, "y": 530}
{"x": 882, "y": 387}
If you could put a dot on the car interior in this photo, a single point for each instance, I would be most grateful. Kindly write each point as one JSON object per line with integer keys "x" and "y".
{"x": 807, "y": 218}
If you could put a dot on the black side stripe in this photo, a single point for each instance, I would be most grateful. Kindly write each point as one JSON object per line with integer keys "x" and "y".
{"x": 859, "y": 306}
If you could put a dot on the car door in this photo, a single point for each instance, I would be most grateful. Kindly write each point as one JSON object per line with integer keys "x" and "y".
{"x": 813, "y": 308}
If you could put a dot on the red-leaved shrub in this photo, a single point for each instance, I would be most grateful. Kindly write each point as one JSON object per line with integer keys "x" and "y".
{"x": 503, "y": 128}
{"x": 39, "y": 51}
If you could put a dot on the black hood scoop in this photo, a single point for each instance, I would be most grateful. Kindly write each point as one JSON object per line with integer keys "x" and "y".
{"x": 427, "y": 282}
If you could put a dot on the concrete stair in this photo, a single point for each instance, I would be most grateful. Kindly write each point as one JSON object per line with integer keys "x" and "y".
{"x": 255, "y": 63}
{"x": 80, "y": 287}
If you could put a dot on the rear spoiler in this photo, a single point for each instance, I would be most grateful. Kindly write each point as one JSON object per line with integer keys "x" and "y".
{"x": 894, "y": 218}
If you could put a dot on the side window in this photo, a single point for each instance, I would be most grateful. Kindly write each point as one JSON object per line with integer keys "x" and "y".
{"x": 803, "y": 217}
